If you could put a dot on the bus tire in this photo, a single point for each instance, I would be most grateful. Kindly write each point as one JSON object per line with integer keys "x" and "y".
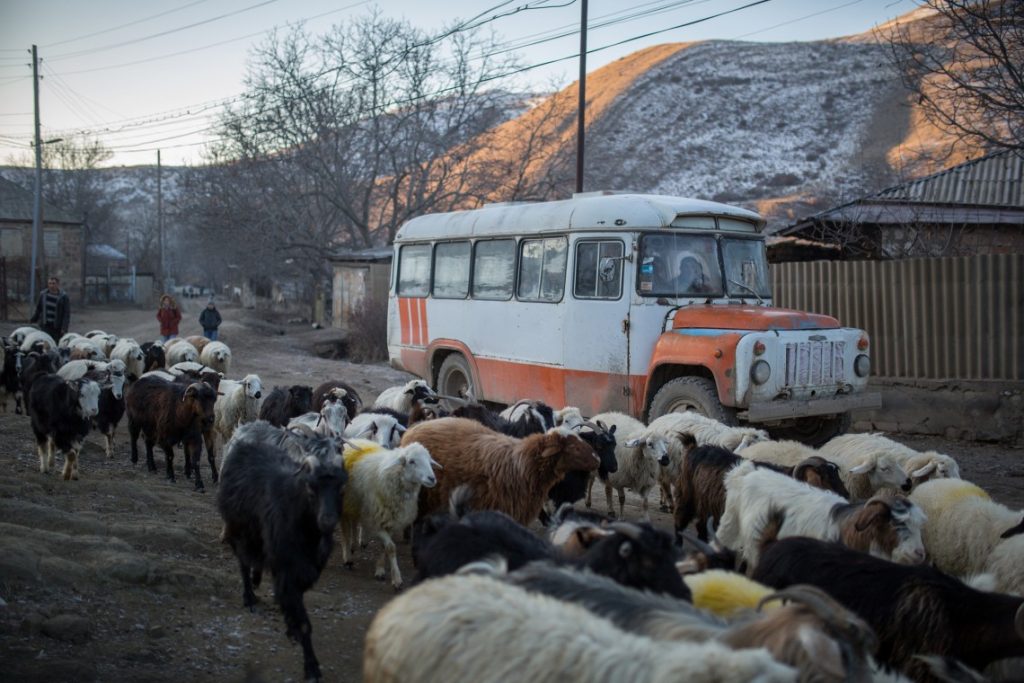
{"x": 455, "y": 378}
{"x": 690, "y": 393}
{"x": 814, "y": 431}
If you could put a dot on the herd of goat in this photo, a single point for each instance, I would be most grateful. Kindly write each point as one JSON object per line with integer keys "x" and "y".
{"x": 863, "y": 560}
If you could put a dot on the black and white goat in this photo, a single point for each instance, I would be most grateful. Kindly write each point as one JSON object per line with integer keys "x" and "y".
{"x": 61, "y": 412}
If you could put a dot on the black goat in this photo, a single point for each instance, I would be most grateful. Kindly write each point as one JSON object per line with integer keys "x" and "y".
{"x": 155, "y": 356}
{"x": 61, "y": 411}
{"x": 914, "y": 609}
{"x": 526, "y": 418}
{"x": 10, "y": 369}
{"x": 281, "y": 404}
{"x": 34, "y": 364}
{"x": 633, "y": 555}
{"x": 280, "y": 514}
{"x": 351, "y": 399}
{"x": 573, "y": 486}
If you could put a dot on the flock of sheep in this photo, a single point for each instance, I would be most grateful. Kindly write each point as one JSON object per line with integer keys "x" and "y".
{"x": 863, "y": 560}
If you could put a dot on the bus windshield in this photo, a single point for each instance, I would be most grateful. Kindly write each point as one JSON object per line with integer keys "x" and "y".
{"x": 685, "y": 265}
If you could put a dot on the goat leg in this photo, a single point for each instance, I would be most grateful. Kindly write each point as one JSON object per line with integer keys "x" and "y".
{"x": 169, "y": 460}
{"x": 299, "y": 628}
{"x": 150, "y": 463}
{"x": 211, "y": 455}
{"x": 248, "y": 596}
{"x": 392, "y": 558}
{"x": 192, "y": 454}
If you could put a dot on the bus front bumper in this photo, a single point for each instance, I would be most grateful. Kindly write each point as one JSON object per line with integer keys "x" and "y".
{"x": 787, "y": 409}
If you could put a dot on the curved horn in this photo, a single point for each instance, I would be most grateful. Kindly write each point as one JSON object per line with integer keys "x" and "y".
{"x": 697, "y": 543}
{"x": 927, "y": 469}
{"x": 626, "y": 529}
{"x": 455, "y": 399}
{"x": 302, "y": 430}
{"x": 803, "y": 466}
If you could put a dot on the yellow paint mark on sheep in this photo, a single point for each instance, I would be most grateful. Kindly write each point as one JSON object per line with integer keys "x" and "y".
{"x": 359, "y": 449}
{"x": 963, "y": 490}
{"x": 725, "y": 593}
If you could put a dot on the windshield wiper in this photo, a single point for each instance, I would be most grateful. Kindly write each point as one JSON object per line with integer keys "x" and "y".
{"x": 749, "y": 289}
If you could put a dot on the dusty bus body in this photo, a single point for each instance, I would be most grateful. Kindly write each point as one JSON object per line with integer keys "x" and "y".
{"x": 637, "y": 303}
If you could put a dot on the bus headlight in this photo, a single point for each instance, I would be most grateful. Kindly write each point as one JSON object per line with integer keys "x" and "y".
{"x": 760, "y": 372}
{"x": 862, "y": 365}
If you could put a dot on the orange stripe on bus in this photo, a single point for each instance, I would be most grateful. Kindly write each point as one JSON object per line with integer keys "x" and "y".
{"x": 414, "y": 322}
{"x": 423, "y": 322}
{"x": 403, "y": 315}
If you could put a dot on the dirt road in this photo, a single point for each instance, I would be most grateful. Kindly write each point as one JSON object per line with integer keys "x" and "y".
{"x": 120, "y": 576}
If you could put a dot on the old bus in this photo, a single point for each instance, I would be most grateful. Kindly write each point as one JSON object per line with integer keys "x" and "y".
{"x": 642, "y": 304}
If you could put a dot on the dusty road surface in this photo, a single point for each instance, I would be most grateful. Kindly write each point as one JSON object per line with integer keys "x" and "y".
{"x": 120, "y": 576}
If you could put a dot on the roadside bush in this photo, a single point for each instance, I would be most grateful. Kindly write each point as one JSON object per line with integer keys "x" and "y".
{"x": 368, "y": 332}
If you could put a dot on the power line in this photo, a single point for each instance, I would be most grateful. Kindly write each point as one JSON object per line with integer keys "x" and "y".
{"x": 793, "y": 21}
{"x": 168, "y": 32}
{"x": 130, "y": 23}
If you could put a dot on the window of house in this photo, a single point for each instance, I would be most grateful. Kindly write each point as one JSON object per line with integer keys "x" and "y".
{"x": 494, "y": 268}
{"x": 51, "y": 243}
{"x": 11, "y": 242}
{"x": 542, "y": 269}
{"x": 598, "y": 270}
{"x": 451, "y": 270}
{"x": 414, "y": 270}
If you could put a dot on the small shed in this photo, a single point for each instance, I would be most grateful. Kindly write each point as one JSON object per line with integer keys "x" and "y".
{"x": 360, "y": 278}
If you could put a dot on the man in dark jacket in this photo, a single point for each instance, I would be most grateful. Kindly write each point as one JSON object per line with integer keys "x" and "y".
{"x": 210, "y": 320}
{"x": 53, "y": 310}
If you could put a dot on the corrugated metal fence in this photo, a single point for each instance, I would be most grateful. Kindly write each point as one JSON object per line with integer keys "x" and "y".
{"x": 943, "y": 318}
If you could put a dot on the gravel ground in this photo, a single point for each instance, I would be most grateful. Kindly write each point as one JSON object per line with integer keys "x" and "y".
{"x": 120, "y": 575}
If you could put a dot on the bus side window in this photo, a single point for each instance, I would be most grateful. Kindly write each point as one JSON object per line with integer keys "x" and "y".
{"x": 598, "y": 270}
{"x": 542, "y": 269}
{"x": 494, "y": 268}
{"x": 414, "y": 270}
{"x": 451, "y": 270}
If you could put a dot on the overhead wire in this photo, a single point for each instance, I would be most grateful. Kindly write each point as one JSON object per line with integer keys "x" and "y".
{"x": 130, "y": 23}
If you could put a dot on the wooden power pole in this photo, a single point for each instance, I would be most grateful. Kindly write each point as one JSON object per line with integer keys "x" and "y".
{"x": 37, "y": 200}
{"x": 160, "y": 226}
{"x": 583, "y": 98}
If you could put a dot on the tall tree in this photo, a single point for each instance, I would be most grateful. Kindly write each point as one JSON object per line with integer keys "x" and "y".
{"x": 965, "y": 67}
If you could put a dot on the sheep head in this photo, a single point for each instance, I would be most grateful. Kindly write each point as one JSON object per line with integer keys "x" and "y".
{"x": 822, "y": 474}
{"x": 883, "y": 472}
{"x": 889, "y": 526}
{"x": 654, "y": 447}
{"x": 86, "y": 395}
{"x": 417, "y": 465}
{"x": 568, "y": 452}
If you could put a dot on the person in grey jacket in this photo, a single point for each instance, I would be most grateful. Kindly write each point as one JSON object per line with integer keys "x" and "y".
{"x": 210, "y": 320}
{"x": 53, "y": 310}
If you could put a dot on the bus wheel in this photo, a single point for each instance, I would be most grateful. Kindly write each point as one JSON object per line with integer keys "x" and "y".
{"x": 813, "y": 431}
{"x": 690, "y": 393}
{"x": 454, "y": 378}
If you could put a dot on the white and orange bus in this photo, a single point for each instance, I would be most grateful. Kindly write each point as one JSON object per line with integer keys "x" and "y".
{"x": 637, "y": 303}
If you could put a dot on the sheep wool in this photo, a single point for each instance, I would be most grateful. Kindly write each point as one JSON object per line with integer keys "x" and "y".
{"x": 725, "y": 593}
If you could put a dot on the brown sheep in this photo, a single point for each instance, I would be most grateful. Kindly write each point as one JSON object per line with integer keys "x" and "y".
{"x": 198, "y": 341}
{"x": 169, "y": 413}
{"x": 506, "y": 474}
{"x": 701, "y": 484}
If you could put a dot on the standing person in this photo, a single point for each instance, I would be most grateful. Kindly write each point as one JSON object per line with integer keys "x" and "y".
{"x": 53, "y": 310}
{"x": 210, "y": 320}
{"x": 169, "y": 316}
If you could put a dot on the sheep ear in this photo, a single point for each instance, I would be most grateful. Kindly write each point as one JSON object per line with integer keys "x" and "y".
{"x": 625, "y": 549}
{"x": 924, "y": 471}
{"x": 863, "y": 468}
{"x": 402, "y": 460}
{"x": 410, "y": 391}
{"x": 633, "y": 443}
{"x": 613, "y": 428}
{"x": 874, "y": 511}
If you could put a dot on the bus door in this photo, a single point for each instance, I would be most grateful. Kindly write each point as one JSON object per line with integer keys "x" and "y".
{"x": 596, "y": 339}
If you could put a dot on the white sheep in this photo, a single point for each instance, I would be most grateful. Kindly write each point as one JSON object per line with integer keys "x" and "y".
{"x": 238, "y": 403}
{"x": 38, "y": 337}
{"x": 84, "y": 348}
{"x": 865, "y": 470}
{"x": 640, "y": 452}
{"x": 1006, "y": 564}
{"x": 433, "y": 633}
{"x": 178, "y": 351}
{"x": 402, "y": 397}
{"x": 105, "y": 341}
{"x": 888, "y": 527}
{"x": 330, "y": 421}
{"x": 129, "y": 351}
{"x": 569, "y": 416}
{"x": 921, "y": 466}
{"x": 65, "y": 341}
{"x": 965, "y": 527}
{"x": 382, "y": 496}
{"x": 782, "y": 453}
{"x": 107, "y": 373}
{"x": 706, "y": 432}
{"x": 19, "y": 334}
{"x": 216, "y": 355}
{"x": 377, "y": 427}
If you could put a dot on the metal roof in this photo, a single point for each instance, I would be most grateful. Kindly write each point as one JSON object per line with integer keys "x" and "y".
{"x": 16, "y": 206}
{"x": 989, "y": 190}
{"x": 584, "y": 212}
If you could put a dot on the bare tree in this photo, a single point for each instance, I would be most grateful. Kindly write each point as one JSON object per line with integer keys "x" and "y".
{"x": 965, "y": 67}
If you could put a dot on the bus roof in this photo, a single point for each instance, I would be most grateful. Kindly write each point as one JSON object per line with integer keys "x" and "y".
{"x": 588, "y": 211}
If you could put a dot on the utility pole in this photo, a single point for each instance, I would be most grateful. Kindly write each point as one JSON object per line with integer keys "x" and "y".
{"x": 160, "y": 225}
{"x": 37, "y": 202}
{"x": 583, "y": 97}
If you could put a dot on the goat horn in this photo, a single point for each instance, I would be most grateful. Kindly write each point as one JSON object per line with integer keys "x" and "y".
{"x": 626, "y": 529}
{"x": 302, "y": 430}
{"x": 715, "y": 543}
{"x": 697, "y": 543}
{"x": 454, "y": 399}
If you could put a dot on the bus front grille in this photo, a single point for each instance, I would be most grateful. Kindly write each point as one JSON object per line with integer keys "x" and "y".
{"x": 815, "y": 363}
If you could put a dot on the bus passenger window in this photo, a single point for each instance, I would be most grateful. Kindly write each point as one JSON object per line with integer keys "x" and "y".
{"x": 542, "y": 269}
{"x": 494, "y": 267}
{"x": 414, "y": 270}
{"x": 598, "y": 270}
{"x": 451, "y": 270}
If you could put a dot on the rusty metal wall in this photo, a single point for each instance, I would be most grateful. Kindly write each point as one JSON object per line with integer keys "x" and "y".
{"x": 942, "y": 318}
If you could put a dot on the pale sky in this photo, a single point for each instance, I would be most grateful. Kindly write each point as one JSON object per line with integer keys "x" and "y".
{"x": 143, "y": 75}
